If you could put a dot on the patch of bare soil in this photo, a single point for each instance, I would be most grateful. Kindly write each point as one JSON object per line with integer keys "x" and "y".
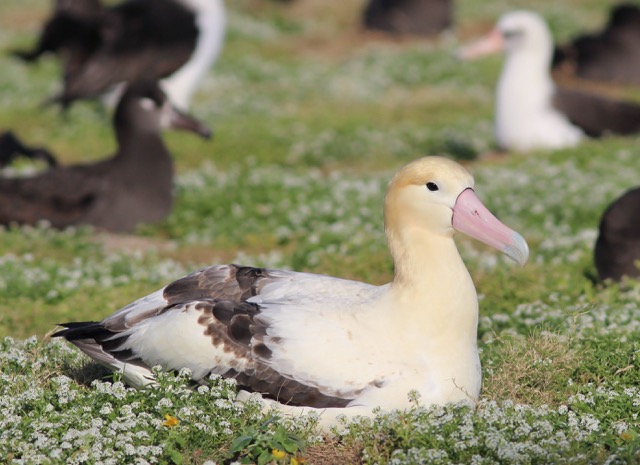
{"x": 331, "y": 452}
{"x": 113, "y": 242}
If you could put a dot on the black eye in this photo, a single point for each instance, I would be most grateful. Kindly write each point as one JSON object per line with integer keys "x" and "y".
{"x": 512, "y": 34}
{"x": 432, "y": 186}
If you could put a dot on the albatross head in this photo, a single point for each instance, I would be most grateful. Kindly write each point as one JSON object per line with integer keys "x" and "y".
{"x": 435, "y": 195}
{"x": 516, "y": 32}
{"x": 144, "y": 108}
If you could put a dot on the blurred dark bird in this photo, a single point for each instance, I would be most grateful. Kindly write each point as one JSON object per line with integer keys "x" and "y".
{"x": 531, "y": 112}
{"x": 103, "y": 47}
{"x": 410, "y": 17}
{"x": 617, "y": 250}
{"x": 11, "y": 148}
{"x": 133, "y": 186}
{"x": 609, "y": 55}
{"x": 72, "y": 30}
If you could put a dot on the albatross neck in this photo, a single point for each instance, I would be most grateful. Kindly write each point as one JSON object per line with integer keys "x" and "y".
{"x": 527, "y": 69}
{"x": 427, "y": 263}
{"x": 431, "y": 284}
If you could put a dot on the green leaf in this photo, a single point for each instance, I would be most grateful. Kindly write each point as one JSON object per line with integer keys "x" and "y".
{"x": 280, "y": 435}
{"x": 175, "y": 456}
{"x": 290, "y": 445}
{"x": 265, "y": 457}
{"x": 180, "y": 441}
{"x": 240, "y": 443}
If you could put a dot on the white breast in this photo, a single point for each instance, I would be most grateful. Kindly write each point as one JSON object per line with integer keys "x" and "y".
{"x": 525, "y": 118}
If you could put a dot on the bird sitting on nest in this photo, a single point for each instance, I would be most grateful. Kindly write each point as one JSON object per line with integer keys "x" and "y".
{"x": 531, "y": 111}
{"x": 609, "y": 55}
{"x": 133, "y": 186}
{"x": 617, "y": 250}
{"x": 311, "y": 342}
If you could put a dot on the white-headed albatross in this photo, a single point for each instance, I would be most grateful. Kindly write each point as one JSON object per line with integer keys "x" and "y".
{"x": 308, "y": 341}
{"x": 531, "y": 112}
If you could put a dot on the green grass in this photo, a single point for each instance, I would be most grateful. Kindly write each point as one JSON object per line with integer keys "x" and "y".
{"x": 311, "y": 119}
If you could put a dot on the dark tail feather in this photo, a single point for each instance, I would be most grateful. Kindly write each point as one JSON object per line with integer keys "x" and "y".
{"x": 104, "y": 347}
{"x": 84, "y": 331}
{"x": 81, "y": 330}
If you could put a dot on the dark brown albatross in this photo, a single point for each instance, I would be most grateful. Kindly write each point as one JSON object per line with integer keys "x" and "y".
{"x": 104, "y": 46}
{"x": 133, "y": 186}
{"x": 609, "y": 55}
{"x": 413, "y": 17}
{"x": 617, "y": 250}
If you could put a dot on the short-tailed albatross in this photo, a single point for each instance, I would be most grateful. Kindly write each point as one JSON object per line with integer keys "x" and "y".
{"x": 531, "y": 112}
{"x": 314, "y": 342}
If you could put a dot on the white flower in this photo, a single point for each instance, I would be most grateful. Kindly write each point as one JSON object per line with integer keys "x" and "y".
{"x": 106, "y": 409}
{"x": 164, "y": 403}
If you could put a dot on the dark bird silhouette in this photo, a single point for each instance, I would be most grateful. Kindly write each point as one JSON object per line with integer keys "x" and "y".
{"x": 11, "y": 148}
{"x": 411, "y": 17}
{"x": 103, "y": 47}
{"x": 617, "y": 250}
{"x": 609, "y": 55}
{"x": 72, "y": 30}
{"x": 597, "y": 115}
{"x": 133, "y": 186}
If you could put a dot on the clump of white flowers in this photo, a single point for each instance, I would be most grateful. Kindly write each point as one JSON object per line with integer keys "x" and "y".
{"x": 56, "y": 419}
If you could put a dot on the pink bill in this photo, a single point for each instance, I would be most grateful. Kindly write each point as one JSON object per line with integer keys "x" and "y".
{"x": 471, "y": 217}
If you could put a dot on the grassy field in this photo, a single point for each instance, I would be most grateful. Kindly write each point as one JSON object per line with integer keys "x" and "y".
{"x": 312, "y": 116}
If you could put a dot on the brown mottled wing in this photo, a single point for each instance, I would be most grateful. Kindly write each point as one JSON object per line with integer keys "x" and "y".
{"x": 235, "y": 327}
{"x": 226, "y": 286}
{"x": 232, "y": 283}
{"x": 598, "y": 115}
